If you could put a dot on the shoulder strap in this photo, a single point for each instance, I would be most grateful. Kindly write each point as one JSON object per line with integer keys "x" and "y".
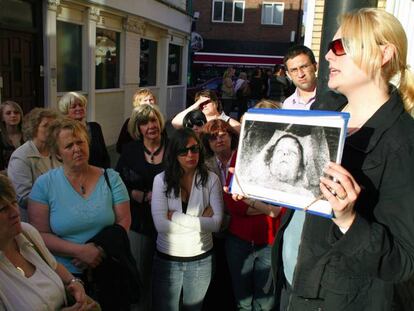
{"x": 107, "y": 180}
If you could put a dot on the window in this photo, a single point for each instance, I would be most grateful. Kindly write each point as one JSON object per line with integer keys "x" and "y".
{"x": 174, "y": 64}
{"x": 107, "y": 59}
{"x": 148, "y": 63}
{"x": 228, "y": 11}
{"x": 69, "y": 57}
{"x": 272, "y": 13}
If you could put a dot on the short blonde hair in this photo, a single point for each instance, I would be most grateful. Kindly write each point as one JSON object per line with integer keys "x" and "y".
{"x": 364, "y": 32}
{"x": 140, "y": 94}
{"x": 68, "y": 99}
{"x": 33, "y": 119}
{"x": 141, "y": 115}
{"x": 77, "y": 128}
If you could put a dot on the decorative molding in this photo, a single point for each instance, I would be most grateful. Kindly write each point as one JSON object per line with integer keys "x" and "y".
{"x": 133, "y": 24}
{"x": 94, "y": 13}
{"x": 53, "y": 5}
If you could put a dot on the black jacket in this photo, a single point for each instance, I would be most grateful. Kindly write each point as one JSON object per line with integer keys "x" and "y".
{"x": 116, "y": 278}
{"x": 98, "y": 154}
{"x": 356, "y": 271}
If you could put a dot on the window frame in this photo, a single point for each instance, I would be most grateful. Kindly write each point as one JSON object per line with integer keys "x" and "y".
{"x": 274, "y": 4}
{"x": 118, "y": 68}
{"x": 156, "y": 55}
{"x": 82, "y": 55}
{"x": 232, "y": 13}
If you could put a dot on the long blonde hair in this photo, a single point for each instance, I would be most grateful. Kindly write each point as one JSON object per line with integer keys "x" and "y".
{"x": 364, "y": 32}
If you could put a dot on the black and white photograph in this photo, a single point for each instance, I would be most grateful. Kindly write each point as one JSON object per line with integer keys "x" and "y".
{"x": 282, "y": 156}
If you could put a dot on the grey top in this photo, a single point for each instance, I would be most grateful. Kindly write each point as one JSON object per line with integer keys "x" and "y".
{"x": 25, "y": 166}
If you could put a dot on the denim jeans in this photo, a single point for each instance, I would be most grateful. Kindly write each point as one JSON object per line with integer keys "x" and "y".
{"x": 249, "y": 267}
{"x": 170, "y": 278}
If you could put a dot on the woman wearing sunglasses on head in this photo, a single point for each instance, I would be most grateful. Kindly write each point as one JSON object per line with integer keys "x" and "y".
{"x": 187, "y": 206}
{"x": 352, "y": 261}
{"x": 208, "y": 103}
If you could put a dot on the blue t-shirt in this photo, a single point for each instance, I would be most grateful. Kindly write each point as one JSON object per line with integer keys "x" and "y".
{"x": 73, "y": 217}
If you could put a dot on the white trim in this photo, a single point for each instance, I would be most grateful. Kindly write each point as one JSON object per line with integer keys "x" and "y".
{"x": 310, "y": 16}
{"x": 242, "y": 55}
{"x": 232, "y": 12}
{"x": 274, "y": 4}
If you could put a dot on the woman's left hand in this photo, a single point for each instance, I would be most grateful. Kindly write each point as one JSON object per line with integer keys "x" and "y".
{"x": 341, "y": 191}
{"x": 77, "y": 290}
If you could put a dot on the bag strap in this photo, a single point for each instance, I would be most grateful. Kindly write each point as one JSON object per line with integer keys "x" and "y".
{"x": 107, "y": 180}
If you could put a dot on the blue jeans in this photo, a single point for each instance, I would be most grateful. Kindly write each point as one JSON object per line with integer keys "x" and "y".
{"x": 170, "y": 278}
{"x": 249, "y": 267}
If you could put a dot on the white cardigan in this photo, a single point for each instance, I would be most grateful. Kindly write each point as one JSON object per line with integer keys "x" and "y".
{"x": 189, "y": 234}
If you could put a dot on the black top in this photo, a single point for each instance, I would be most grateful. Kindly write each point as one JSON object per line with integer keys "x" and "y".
{"x": 98, "y": 154}
{"x": 124, "y": 137}
{"x": 356, "y": 271}
{"x": 138, "y": 174}
{"x": 6, "y": 150}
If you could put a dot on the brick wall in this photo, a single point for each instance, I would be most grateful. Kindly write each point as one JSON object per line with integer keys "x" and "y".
{"x": 251, "y": 29}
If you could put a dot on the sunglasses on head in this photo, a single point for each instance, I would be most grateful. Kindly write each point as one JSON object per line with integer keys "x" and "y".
{"x": 199, "y": 123}
{"x": 337, "y": 47}
{"x": 193, "y": 149}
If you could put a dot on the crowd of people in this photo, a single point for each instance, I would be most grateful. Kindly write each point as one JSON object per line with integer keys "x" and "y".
{"x": 161, "y": 232}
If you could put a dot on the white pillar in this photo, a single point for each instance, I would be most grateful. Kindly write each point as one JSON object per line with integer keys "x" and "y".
{"x": 162, "y": 73}
{"x": 91, "y": 17}
{"x": 133, "y": 31}
{"x": 50, "y": 65}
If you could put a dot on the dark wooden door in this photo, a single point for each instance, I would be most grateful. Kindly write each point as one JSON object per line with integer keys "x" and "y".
{"x": 17, "y": 67}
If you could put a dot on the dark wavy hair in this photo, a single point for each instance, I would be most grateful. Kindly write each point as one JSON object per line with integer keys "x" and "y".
{"x": 173, "y": 169}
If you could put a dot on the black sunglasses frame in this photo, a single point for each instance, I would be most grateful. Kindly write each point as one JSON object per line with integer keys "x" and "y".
{"x": 337, "y": 47}
{"x": 184, "y": 151}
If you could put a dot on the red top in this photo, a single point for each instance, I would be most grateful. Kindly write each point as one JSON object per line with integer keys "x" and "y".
{"x": 259, "y": 229}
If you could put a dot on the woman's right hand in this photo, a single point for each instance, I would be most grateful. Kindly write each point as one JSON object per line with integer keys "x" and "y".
{"x": 208, "y": 212}
{"x": 90, "y": 255}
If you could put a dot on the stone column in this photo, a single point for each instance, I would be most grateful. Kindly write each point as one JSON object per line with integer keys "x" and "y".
{"x": 50, "y": 81}
{"x": 91, "y": 18}
{"x": 134, "y": 29}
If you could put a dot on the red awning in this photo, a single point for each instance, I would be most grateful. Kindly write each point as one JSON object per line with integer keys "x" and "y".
{"x": 236, "y": 59}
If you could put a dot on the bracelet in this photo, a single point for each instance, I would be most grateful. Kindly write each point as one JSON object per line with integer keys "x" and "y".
{"x": 76, "y": 280}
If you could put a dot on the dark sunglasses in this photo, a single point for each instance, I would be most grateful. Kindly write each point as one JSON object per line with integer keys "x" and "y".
{"x": 337, "y": 47}
{"x": 193, "y": 149}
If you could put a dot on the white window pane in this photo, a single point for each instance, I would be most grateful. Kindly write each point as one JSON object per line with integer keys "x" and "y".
{"x": 267, "y": 13}
{"x": 278, "y": 14}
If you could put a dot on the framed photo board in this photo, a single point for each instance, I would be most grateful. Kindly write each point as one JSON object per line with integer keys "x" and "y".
{"x": 282, "y": 154}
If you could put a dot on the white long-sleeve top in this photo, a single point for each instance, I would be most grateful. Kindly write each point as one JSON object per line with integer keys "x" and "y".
{"x": 188, "y": 234}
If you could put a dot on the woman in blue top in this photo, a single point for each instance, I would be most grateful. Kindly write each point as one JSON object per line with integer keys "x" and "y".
{"x": 71, "y": 204}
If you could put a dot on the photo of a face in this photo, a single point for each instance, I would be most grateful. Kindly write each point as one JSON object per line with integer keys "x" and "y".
{"x": 283, "y": 161}
{"x": 287, "y": 160}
